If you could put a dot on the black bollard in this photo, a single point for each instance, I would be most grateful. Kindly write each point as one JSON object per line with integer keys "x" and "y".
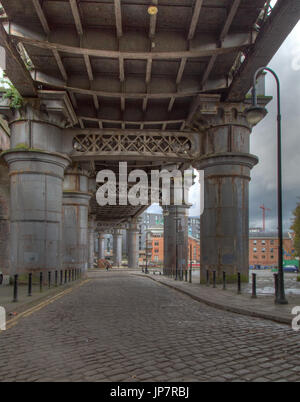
{"x": 207, "y": 277}
{"x": 65, "y": 276}
{"x": 15, "y": 299}
{"x": 214, "y": 279}
{"x": 49, "y": 279}
{"x": 224, "y": 280}
{"x": 191, "y": 264}
{"x": 61, "y": 277}
{"x": 41, "y": 281}
{"x": 239, "y": 283}
{"x": 253, "y": 286}
{"x": 69, "y": 275}
{"x": 29, "y": 284}
{"x": 56, "y": 278}
{"x": 276, "y": 286}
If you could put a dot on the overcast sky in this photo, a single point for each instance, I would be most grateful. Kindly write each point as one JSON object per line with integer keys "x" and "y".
{"x": 263, "y": 186}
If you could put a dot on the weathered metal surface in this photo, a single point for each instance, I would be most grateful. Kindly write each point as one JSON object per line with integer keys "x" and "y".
{"x": 4, "y": 220}
{"x": 117, "y": 247}
{"x": 134, "y": 145}
{"x": 120, "y": 65}
{"x": 132, "y": 244}
{"x": 101, "y": 240}
{"x": 36, "y": 209}
{"x": 75, "y": 219}
{"x": 175, "y": 226}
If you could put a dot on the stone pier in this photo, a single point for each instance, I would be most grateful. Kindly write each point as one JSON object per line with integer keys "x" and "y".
{"x": 117, "y": 247}
{"x": 75, "y": 218}
{"x": 225, "y": 139}
{"x": 132, "y": 241}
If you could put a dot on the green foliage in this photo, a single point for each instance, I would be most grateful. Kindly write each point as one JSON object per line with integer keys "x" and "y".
{"x": 296, "y": 228}
{"x": 11, "y": 93}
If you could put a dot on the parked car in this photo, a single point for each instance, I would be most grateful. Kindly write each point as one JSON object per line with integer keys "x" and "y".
{"x": 290, "y": 268}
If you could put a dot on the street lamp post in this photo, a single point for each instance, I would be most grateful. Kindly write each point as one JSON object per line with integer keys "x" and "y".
{"x": 254, "y": 115}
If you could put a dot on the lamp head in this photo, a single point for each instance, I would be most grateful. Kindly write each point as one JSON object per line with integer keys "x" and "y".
{"x": 152, "y": 10}
{"x": 255, "y": 114}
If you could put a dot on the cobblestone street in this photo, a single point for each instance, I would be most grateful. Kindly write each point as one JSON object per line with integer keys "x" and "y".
{"x": 122, "y": 327}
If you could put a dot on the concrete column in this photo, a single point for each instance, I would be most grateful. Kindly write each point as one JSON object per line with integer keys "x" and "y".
{"x": 36, "y": 209}
{"x": 225, "y": 220}
{"x": 101, "y": 246}
{"x": 75, "y": 219}
{"x": 132, "y": 240}
{"x": 4, "y": 220}
{"x": 175, "y": 232}
{"x": 91, "y": 233}
{"x": 36, "y": 168}
{"x": 117, "y": 247}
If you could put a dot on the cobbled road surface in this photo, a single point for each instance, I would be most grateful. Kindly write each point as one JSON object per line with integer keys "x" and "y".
{"x": 122, "y": 327}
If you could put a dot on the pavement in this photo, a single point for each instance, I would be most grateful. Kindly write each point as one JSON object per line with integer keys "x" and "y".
{"x": 119, "y": 326}
{"x": 25, "y": 301}
{"x": 262, "y": 307}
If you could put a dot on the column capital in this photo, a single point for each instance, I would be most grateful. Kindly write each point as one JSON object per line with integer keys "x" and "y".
{"x": 212, "y": 112}
{"x": 226, "y": 158}
{"x": 24, "y": 161}
{"x": 52, "y": 107}
{"x": 117, "y": 232}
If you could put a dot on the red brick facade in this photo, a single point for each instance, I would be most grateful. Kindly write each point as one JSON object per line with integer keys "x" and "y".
{"x": 158, "y": 248}
{"x": 264, "y": 250}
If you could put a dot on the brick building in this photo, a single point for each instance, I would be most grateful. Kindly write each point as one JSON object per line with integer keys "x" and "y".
{"x": 158, "y": 248}
{"x": 263, "y": 248}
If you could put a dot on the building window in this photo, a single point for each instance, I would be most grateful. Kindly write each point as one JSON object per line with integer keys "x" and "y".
{"x": 272, "y": 256}
{"x": 254, "y": 250}
{"x": 272, "y": 242}
{"x": 156, "y": 250}
{"x": 263, "y": 256}
{"x": 254, "y": 242}
{"x": 263, "y": 250}
{"x": 156, "y": 243}
{"x": 263, "y": 242}
{"x": 272, "y": 250}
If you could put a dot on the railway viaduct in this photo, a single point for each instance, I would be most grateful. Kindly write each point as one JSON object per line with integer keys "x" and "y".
{"x": 156, "y": 84}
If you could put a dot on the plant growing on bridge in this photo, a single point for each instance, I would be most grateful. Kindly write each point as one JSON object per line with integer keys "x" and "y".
{"x": 11, "y": 93}
{"x": 296, "y": 228}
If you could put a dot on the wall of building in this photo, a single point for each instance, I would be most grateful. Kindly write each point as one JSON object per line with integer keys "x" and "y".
{"x": 158, "y": 249}
{"x": 264, "y": 250}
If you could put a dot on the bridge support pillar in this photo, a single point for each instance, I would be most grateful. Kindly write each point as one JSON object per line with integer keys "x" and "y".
{"x": 4, "y": 220}
{"x": 36, "y": 209}
{"x": 132, "y": 239}
{"x": 117, "y": 247}
{"x": 175, "y": 240}
{"x": 75, "y": 219}
{"x": 91, "y": 240}
{"x": 101, "y": 246}
{"x": 224, "y": 224}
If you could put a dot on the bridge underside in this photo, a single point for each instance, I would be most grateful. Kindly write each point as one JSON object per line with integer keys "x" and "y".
{"x": 109, "y": 81}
